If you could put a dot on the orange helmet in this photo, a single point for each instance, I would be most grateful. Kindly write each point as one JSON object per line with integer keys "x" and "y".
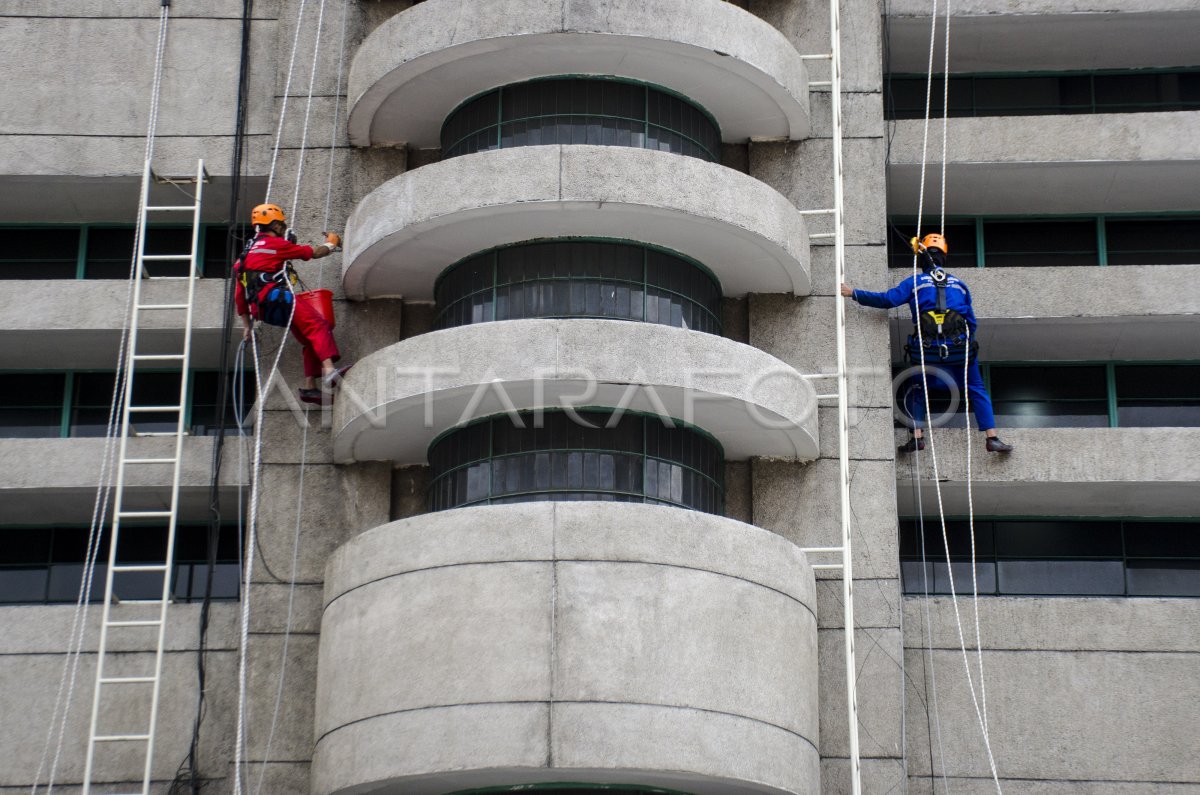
{"x": 931, "y": 240}
{"x": 264, "y": 214}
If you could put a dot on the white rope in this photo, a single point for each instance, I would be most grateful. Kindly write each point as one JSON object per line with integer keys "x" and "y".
{"x": 925, "y": 394}
{"x": 312, "y": 80}
{"x": 333, "y": 125}
{"x": 287, "y": 88}
{"x": 932, "y": 672}
{"x": 69, "y": 677}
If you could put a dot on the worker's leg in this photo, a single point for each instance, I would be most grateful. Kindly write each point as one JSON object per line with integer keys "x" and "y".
{"x": 981, "y": 402}
{"x": 914, "y": 404}
{"x": 315, "y": 335}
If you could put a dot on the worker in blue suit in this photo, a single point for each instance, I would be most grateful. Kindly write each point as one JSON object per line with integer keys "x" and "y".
{"x": 941, "y": 304}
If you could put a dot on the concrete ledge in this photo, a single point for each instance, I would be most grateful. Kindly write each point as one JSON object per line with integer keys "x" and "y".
{"x": 1047, "y": 35}
{"x": 398, "y": 399}
{"x": 1065, "y": 472}
{"x": 78, "y": 324}
{"x": 1122, "y": 162}
{"x": 407, "y": 231}
{"x": 413, "y": 70}
{"x": 622, "y": 643}
{"x": 1092, "y": 314}
{"x": 56, "y": 480}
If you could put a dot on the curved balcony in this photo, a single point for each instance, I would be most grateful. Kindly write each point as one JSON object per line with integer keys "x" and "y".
{"x": 408, "y": 230}
{"x": 413, "y": 70}
{"x": 396, "y": 401}
{"x": 598, "y": 643}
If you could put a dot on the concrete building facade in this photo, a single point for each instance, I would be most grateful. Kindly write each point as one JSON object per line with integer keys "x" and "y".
{"x": 491, "y": 564}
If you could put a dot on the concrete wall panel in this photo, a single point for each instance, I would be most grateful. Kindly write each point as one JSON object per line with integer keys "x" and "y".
{"x": 671, "y": 632}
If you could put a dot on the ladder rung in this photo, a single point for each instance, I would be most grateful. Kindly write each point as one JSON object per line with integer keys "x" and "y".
{"x": 141, "y": 602}
{"x": 822, "y": 236}
{"x": 121, "y": 738}
{"x": 150, "y": 460}
{"x": 169, "y": 208}
{"x": 162, "y": 306}
{"x": 820, "y": 83}
{"x": 127, "y": 680}
{"x": 826, "y": 566}
{"x": 141, "y": 434}
{"x": 157, "y": 357}
{"x": 140, "y": 567}
{"x": 153, "y": 409}
{"x": 168, "y": 278}
{"x": 164, "y": 257}
{"x": 149, "y": 622}
{"x": 145, "y": 514}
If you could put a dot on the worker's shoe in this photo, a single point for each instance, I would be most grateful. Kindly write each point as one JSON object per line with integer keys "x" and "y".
{"x": 994, "y": 445}
{"x": 315, "y": 396}
{"x": 913, "y": 445}
{"x": 334, "y": 379}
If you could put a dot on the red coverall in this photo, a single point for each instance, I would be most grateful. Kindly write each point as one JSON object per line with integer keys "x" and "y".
{"x": 269, "y": 254}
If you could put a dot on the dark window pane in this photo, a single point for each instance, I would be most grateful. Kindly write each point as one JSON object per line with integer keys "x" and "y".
{"x": 1061, "y": 577}
{"x": 1040, "y": 243}
{"x": 1162, "y": 539}
{"x": 40, "y": 253}
{"x": 1173, "y": 241}
{"x": 1158, "y": 381}
{"x": 35, "y": 410}
{"x": 1163, "y": 577}
{"x": 23, "y": 584}
{"x": 1058, "y": 539}
{"x": 1047, "y": 383}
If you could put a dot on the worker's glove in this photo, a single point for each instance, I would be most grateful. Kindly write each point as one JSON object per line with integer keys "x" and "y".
{"x": 333, "y": 241}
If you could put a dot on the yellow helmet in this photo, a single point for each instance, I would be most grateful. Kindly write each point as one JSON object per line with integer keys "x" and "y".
{"x": 931, "y": 240}
{"x": 264, "y": 214}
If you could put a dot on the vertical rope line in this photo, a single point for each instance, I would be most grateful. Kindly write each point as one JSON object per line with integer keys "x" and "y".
{"x": 287, "y": 88}
{"x": 333, "y": 126}
{"x": 312, "y": 79}
{"x": 69, "y": 676}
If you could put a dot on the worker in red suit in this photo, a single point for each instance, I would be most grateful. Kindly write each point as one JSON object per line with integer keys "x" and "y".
{"x": 263, "y": 292}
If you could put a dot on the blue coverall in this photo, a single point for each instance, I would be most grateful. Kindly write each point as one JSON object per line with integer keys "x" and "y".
{"x": 958, "y": 298}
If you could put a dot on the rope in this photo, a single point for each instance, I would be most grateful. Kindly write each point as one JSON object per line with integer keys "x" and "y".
{"x": 287, "y": 88}
{"x": 975, "y": 700}
{"x": 69, "y": 677}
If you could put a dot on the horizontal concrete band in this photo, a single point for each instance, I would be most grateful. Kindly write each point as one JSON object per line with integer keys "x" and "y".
{"x": 413, "y": 70}
{"x": 407, "y": 231}
{"x": 398, "y": 399}
{"x": 593, "y": 619}
{"x": 1065, "y": 472}
{"x": 1123, "y": 162}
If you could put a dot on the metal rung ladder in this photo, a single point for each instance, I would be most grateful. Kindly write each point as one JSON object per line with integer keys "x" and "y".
{"x": 112, "y": 619}
{"x": 838, "y": 236}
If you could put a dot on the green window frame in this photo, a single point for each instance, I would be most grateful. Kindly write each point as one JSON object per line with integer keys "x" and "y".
{"x": 1121, "y": 390}
{"x": 42, "y": 564}
{"x": 616, "y": 457}
{"x": 1044, "y": 556}
{"x": 977, "y": 94}
{"x": 68, "y": 425}
{"x": 210, "y": 255}
{"x": 1098, "y": 240}
{"x": 581, "y": 109}
{"x": 579, "y": 277}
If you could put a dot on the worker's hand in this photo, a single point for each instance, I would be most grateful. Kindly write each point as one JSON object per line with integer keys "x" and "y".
{"x": 247, "y": 328}
{"x": 333, "y": 241}
{"x": 847, "y": 291}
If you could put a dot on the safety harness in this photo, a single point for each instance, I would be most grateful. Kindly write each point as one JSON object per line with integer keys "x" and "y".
{"x": 943, "y": 331}
{"x": 271, "y": 294}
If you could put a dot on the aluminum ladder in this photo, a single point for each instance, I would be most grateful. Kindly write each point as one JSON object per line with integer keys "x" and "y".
{"x": 120, "y": 618}
{"x": 844, "y": 551}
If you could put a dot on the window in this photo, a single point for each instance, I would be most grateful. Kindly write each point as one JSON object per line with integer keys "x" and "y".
{"x": 1010, "y": 242}
{"x": 1055, "y": 557}
{"x": 101, "y": 251}
{"x": 1158, "y": 395}
{"x": 637, "y": 459}
{"x": 581, "y": 110}
{"x": 44, "y": 565}
{"x": 58, "y": 404}
{"x": 1126, "y": 91}
{"x": 576, "y": 278}
{"x": 1049, "y": 396}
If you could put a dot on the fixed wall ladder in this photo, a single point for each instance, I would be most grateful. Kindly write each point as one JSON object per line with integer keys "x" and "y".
{"x": 130, "y": 616}
{"x": 838, "y": 235}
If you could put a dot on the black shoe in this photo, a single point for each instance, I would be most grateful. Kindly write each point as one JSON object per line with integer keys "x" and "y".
{"x": 334, "y": 379}
{"x": 315, "y": 396}
{"x": 994, "y": 445}
{"x": 914, "y": 444}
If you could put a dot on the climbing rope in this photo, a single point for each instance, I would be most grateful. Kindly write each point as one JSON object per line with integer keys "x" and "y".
{"x": 69, "y": 678}
{"x": 975, "y": 697}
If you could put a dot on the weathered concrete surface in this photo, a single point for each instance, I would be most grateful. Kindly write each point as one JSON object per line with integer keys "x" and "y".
{"x": 1065, "y": 472}
{"x": 409, "y": 230}
{"x": 396, "y": 401}
{"x": 1122, "y": 162}
{"x": 31, "y": 663}
{"x": 57, "y": 478}
{"x": 696, "y": 628}
{"x": 78, "y": 324}
{"x": 414, "y": 69}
